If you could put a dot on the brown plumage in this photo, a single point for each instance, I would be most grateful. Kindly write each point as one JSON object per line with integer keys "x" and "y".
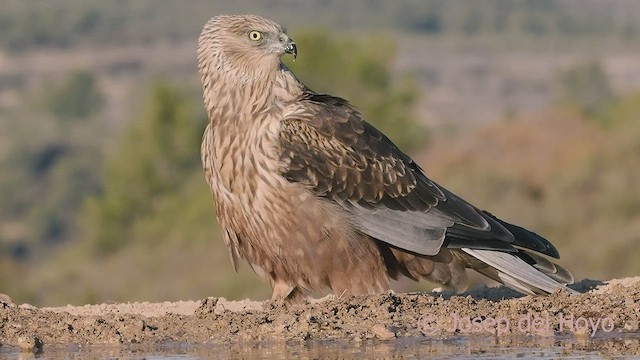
{"x": 314, "y": 197}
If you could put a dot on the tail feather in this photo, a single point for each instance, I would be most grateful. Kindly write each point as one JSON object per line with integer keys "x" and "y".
{"x": 537, "y": 278}
{"x": 553, "y": 270}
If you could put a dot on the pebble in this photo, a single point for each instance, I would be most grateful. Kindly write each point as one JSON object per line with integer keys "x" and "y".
{"x": 5, "y": 301}
{"x": 30, "y": 343}
{"x": 631, "y": 325}
{"x": 381, "y": 332}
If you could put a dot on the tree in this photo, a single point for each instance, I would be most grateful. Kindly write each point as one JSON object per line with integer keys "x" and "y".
{"x": 585, "y": 86}
{"x": 154, "y": 158}
{"x": 77, "y": 97}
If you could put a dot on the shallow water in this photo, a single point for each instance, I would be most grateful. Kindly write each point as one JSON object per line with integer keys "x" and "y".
{"x": 456, "y": 348}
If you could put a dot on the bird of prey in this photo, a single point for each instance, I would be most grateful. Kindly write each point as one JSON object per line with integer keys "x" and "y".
{"x": 314, "y": 197}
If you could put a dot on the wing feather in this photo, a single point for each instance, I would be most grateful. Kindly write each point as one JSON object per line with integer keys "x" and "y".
{"x": 517, "y": 273}
{"x": 328, "y": 147}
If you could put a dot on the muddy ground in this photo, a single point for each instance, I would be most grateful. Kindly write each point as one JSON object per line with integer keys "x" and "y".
{"x": 607, "y": 310}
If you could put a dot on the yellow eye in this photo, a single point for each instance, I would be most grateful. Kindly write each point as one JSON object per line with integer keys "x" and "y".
{"x": 255, "y": 35}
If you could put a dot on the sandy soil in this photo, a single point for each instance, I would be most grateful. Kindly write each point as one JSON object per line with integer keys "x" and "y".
{"x": 607, "y": 310}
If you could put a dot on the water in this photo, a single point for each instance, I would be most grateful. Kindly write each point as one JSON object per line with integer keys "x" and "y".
{"x": 455, "y": 348}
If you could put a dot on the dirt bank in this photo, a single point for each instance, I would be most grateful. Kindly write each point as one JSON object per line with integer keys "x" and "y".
{"x": 606, "y": 310}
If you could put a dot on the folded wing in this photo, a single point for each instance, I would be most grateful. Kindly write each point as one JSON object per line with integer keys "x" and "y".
{"x": 327, "y": 146}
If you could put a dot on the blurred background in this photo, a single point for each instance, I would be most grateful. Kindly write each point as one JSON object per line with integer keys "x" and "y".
{"x": 530, "y": 109}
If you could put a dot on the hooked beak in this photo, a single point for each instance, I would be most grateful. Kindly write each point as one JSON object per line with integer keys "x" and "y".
{"x": 290, "y": 48}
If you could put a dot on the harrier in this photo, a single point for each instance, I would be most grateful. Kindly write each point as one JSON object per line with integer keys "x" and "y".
{"x": 314, "y": 197}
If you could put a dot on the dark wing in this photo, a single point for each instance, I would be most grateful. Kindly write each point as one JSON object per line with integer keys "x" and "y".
{"x": 327, "y": 146}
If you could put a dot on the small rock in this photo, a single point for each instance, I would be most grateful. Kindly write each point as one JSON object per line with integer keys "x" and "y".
{"x": 30, "y": 344}
{"x": 631, "y": 343}
{"x": 381, "y": 332}
{"x": 27, "y": 307}
{"x": 582, "y": 333}
{"x": 5, "y": 301}
{"x": 631, "y": 325}
{"x": 207, "y": 308}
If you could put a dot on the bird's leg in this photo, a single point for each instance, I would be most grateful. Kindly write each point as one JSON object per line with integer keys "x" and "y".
{"x": 281, "y": 290}
{"x": 290, "y": 293}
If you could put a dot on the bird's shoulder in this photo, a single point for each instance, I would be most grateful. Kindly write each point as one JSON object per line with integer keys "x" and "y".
{"x": 327, "y": 145}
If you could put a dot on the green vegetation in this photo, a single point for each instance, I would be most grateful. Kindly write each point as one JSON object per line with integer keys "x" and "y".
{"x": 78, "y": 97}
{"x": 151, "y": 165}
{"x": 523, "y": 18}
{"x": 68, "y": 23}
{"x": 585, "y": 87}
{"x": 48, "y": 169}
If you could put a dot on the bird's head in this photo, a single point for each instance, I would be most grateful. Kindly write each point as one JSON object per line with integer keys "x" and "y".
{"x": 249, "y": 43}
